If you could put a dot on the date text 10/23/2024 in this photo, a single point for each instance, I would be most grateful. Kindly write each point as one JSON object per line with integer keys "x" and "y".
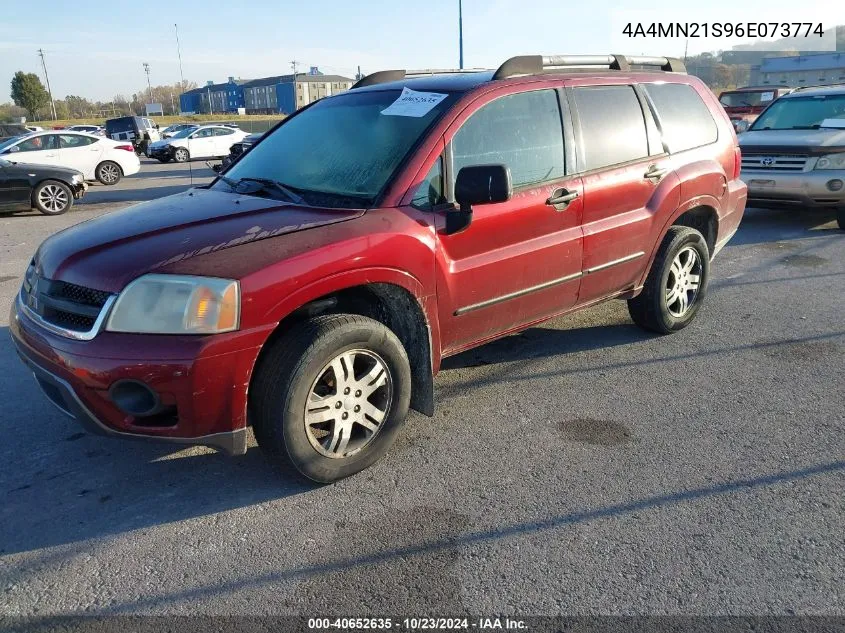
{"x": 416, "y": 624}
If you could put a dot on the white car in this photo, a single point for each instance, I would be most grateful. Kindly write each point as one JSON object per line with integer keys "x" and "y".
{"x": 96, "y": 130}
{"x": 204, "y": 141}
{"x": 96, "y": 157}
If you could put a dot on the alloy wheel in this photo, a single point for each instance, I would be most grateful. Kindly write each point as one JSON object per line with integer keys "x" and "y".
{"x": 684, "y": 281}
{"x": 348, "y": 403}
{"x": 53, "y": 198}
{"x": 109, "y": 173}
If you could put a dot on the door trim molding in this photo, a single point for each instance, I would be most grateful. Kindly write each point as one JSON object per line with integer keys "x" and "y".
{"x": 545, "y": 285}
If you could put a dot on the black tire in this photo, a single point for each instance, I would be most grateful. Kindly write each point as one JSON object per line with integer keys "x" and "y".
{"x": 48, "y": 196}
{"x": 651, "y": 309}
{"x": 840, "y": 217}
{"x": 181, "y": 155}
{"x": 284, "y": 379}
{"x": 108, "y": 172}
{"x": 166, "y": 159}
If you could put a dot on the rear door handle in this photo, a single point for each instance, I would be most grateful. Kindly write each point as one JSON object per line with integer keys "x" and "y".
{"x": 561, "y": 198}
{"x": 655, "y": 173}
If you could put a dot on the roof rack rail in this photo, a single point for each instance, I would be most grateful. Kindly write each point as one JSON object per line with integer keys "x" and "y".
{"x": 536, "y": 64}
{"x": 813, "y": 87}
{"x": 383, "y": 76}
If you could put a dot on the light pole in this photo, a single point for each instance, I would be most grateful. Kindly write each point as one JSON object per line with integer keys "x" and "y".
{"x": 149, "y": 87}
{"x": 460, "y": 35}
{"x": 47, "y": 79}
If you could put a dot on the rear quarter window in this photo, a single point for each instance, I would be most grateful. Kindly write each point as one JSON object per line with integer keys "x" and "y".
{"x": 683, "y": 116}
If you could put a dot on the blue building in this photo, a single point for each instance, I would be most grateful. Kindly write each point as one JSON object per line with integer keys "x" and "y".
{"x": 224, "y": 98}
{"x": 817, "y": 69}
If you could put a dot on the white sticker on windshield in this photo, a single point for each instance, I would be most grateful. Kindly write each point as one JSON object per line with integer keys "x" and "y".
{"x": 413, "y": 103}
{"x": 767, "y": 96}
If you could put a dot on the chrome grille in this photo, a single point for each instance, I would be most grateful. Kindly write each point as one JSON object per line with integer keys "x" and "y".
{"x": 769, "y": 162}
{"x": 64, "y": 308}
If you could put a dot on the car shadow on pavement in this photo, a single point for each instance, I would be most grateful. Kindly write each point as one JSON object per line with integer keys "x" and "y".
{"x": 60, "y": 485}
{"x": 772, "y": 226}
{"x": 97, "y": 195}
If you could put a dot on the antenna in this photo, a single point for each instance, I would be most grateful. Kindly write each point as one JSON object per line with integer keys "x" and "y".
{"x": 47, "y": 78}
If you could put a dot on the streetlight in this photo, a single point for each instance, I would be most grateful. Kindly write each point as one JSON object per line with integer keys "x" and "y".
{"x": 149, "y": 87}
{"x": 460, "y": 35}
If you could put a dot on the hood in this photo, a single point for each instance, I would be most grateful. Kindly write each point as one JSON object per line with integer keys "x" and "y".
{"x": 42, "y": 170}
{"x": 108, "y": 252}
{"x": 814, "y": 142}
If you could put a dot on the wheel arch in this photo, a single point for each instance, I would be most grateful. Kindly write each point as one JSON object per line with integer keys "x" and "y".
{"x": 399, "y": 306}
{"x": 699, "y": 213}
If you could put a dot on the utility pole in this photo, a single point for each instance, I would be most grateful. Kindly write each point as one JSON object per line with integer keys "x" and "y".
{"x": 149, "y": 87}
{"x": 460, "y": 34}
{"x": 179, "y": 53}
{"x": 686, "y": 48}
{"x": 293, "y": 64}
{"x": 47, "y": 79}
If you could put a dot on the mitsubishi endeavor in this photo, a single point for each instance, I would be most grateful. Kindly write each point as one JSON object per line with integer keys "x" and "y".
{"x": 312, "y": 290}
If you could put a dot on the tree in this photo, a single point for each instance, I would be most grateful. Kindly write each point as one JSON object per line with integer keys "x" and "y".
{"x": 29, "y": 93}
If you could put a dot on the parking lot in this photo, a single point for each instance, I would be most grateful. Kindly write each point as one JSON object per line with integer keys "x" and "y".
{"x": 583, "y": 466}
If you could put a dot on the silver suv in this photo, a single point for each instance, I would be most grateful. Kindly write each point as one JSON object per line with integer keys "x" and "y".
{"x": 794, "y": 153}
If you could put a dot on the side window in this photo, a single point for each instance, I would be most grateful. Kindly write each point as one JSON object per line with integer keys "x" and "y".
{"x": 612, "y": 125}
{"x": 223, "y": 131}
{"x": 684, "y": 117}
{"x": 430, "y": 192}
{"x": 69, "y": 141}
{"x": 522, "y": 131}
{"x": 202, "y": 133}
{"x": 38, "y": 143}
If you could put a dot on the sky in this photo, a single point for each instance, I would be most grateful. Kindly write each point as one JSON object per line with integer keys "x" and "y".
{"x": 97, "y": 50}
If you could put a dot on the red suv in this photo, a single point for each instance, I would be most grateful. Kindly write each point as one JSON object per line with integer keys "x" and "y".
{"x": 313, "y": 289}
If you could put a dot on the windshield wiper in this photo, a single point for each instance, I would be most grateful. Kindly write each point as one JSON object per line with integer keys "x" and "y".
{"x": 266, "y": 183}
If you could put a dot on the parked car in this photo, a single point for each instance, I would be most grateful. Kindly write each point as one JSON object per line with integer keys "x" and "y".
{"x": 204, "y": 141}
{"x": 174, "y": 129}
{"x": 96, "y": 130}
{"x": 12, "y": 130}
{"x": 793, "y": 156}
{"x": 51, "y": 190}
{"x": 313, "y": 290}
{"x": 133, "y": 129}
{"x": 744, "y": 105}
{"x": 237, "y": 149}
{"x": 96, "y": 157}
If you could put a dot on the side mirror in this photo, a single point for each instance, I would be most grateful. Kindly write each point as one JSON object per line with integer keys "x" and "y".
{"x": 478, "y": 184}
{"x": 12, "y": 149}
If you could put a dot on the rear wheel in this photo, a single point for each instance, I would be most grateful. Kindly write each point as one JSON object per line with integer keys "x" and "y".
{"x": 52, "y": 197}
{"x": 676, "y": 283}
{"x": 181, "y": 155}
{"x": 108, "y": 173}
{"x": 330, "y": 395}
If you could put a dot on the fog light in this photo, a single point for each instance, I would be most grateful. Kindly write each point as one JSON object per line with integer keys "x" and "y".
{"x": 834, "y": 185}
{"x": 135, "y": 398}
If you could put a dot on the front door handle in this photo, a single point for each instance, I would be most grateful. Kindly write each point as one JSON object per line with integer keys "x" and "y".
{"x": 561, "y": 198}
{"x": 655, "y": 173}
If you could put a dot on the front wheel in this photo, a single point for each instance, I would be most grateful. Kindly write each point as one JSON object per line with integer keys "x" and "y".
{"x": 330, "y": 395}
{"x": 52, "y": 197}
{"x": 181, "y": 155}
{"x": 108, "y": 173}
{"x": 676, "y": 283}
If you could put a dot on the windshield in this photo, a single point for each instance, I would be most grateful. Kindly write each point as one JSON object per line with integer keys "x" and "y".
{"x": 9, "y": 141}
{"x": 183, "y": 133}
{"x": 746, "y": 98}
{"x": 343, "y": 146}
{"x": 801, "y": 113}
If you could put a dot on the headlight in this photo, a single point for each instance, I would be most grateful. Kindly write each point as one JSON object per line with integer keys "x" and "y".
{"x": 831, "y": 161}
{"x": 76, "y": 179}
{"x": 177, "y": 304}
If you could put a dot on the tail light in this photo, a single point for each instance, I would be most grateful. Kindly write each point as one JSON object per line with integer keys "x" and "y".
{"x": 737, "y": 161}
{"x": 128, "y": 148}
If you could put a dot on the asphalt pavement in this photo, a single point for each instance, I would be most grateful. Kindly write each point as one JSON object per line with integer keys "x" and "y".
{"x": 581, "y": 467}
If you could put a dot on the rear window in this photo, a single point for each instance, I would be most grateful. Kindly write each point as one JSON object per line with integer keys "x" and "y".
{"x": 684, "y": 118}
{"x": 747, "y": 98}
{"x": 125, "y": 124}
{"x": 612, "y": 125}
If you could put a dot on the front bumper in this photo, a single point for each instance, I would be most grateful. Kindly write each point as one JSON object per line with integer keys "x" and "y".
{"x": 80, "y": 190}
{"x": 202, "y": 381}
{"x": 794, "y": 189}
{"x": 160, "y": 152}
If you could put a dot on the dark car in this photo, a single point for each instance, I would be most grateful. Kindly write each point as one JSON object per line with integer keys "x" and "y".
{"x": 314, "y": 289}
{"x": 137, "y": 129}
{"x": 11, "y": 130}
{"x": 237, "y": 149}
{"x": 49, "y": 189}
